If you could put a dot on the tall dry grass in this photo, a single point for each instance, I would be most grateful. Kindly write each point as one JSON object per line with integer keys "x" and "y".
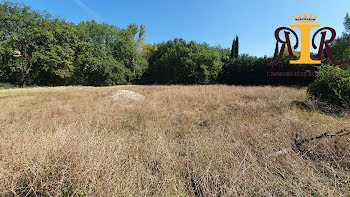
{"x": 181, "y": 141}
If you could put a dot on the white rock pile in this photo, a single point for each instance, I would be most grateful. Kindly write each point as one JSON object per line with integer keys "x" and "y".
{"x": 122, "y": 94}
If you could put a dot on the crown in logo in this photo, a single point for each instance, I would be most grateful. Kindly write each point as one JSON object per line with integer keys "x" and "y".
{"x": 305, "y": 19}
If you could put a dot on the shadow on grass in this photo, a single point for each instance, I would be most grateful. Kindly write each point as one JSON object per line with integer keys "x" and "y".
{"x": 314, "y": 105}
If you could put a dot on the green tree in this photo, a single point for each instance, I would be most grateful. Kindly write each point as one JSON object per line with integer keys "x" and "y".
{"x": 277, "y": 51}
{"x": 129, "y": 52}
{"x": 55, "y": 57}
{"x": 109, "y": 55}
{"x": 20, "y": 32}
{"x": 38, "y": 49}
{"x": 236, "y": 47}
{"x": 347, "y": 24}
{"x": 233, "y": 49}
{"x": 97, "y": 56}
{"x": 341, "y": 46}
{"x": 179, "y": 62}
{"x": 148, "y": 50}
{"x": 44, "y": 46}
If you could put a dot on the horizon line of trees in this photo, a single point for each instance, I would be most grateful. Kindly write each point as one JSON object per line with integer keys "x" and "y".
{"x": 38, "y": 49}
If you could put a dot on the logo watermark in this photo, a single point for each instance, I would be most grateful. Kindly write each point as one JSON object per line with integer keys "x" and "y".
{"x": 305, "y": 27}
{"x": 303, "y": 74}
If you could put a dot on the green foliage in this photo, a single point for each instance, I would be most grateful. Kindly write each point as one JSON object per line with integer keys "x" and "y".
{"x": 277, "y": 51}
{"x": 95, "y": 62}
{"x": 241, "y": 70}
{"x": 347, "y": 23}
{"x": 236, "y": 47}
{"x": 233, "y": 49}
{"x": 51, "y": 51}
{"x": 148, "y": 50}
{"x": 248, "y": 70}
{"x": 7, "y": 86}
{"x": 332, "y": 85}
{"x": 179, "y": 62}
{"x": 109, "y": 55}
{"x": 341, "y": 50}
{"x": 53, "y": 57}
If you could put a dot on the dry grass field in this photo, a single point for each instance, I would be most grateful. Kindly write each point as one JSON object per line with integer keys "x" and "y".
{"x": 180, "y": 141}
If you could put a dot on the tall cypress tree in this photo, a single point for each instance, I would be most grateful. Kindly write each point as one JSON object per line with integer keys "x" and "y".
{"x": 233, "y": 49}
{"x": 275, "y": 55}
{"x": 236, "y": 47}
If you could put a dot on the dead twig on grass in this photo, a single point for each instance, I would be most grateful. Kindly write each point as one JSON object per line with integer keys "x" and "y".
{"x": 298, "y": 142}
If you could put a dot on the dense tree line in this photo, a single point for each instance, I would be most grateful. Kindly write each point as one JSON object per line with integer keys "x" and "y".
{"x": 181, "y": 62}
{"x": 248, "y": 70}
{"x": 38, "y": 49}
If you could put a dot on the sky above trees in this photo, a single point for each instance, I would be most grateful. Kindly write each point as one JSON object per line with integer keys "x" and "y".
{"x": 213, "y": 22}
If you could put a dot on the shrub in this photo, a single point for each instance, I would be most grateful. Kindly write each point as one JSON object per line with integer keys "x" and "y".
{"x": 7, "y": 86}
{"x": 332, "y": 85}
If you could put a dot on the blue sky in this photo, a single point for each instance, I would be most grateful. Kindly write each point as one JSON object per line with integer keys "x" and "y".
{"x": 215, "y": 22}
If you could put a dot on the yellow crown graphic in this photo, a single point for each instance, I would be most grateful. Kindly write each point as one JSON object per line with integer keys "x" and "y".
{"x": 305, "y": 19}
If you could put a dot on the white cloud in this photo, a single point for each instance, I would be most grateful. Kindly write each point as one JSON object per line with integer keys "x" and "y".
{"x": 87, "y": 9}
